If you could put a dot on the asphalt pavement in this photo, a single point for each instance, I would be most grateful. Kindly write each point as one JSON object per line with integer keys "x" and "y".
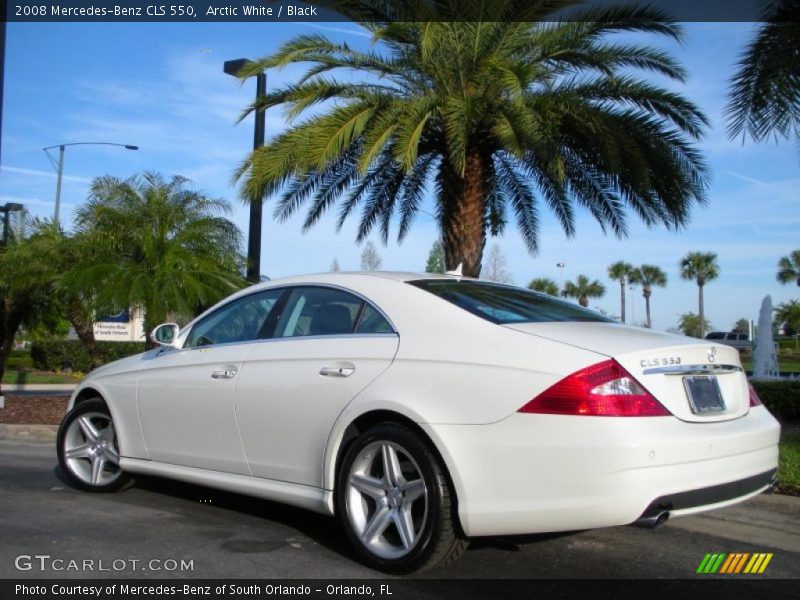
{"x": 218, "y": 534}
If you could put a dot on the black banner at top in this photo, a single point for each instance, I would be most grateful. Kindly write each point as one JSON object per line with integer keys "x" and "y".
{"x": 278, "y": 11}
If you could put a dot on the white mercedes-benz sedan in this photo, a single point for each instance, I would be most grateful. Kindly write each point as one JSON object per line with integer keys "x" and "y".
{"x": 423, "y": 410}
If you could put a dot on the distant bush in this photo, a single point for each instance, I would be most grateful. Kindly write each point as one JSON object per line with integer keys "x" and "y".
{"x": 782, "y": 398}
{"x": 60, "y": 355}
{"x": 19, "y": 360}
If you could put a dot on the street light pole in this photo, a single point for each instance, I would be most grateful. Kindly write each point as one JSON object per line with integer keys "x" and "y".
{"x": 59, "y": 166}
{"x": 233, "y": 67}
{"x": 561, "y": 266}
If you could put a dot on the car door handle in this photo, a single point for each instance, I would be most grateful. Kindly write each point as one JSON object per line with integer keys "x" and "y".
{"x": 344, "y": 369}
{"x": 228, "y": 373}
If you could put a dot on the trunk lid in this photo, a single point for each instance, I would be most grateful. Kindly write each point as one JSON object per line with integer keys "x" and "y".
{"x": 662, "y": 362}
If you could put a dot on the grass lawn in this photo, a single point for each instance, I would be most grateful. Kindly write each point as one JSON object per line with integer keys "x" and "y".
{"x": 19, "y": 377}
{"x": 786, "y": 364}
{"x": 789, "y": 467}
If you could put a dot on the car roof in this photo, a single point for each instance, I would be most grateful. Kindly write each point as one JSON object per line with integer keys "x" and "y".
{"x": 393, "y": 275}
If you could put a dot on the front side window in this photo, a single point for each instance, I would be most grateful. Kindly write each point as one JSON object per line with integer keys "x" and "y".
{"x": 241, "y": 320}
{"x": 505, "y": 304}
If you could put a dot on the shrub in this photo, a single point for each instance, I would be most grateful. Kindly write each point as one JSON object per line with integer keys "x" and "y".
{"x": 782, "y": 398}
{"x": 59, "y": 355}
{"x": 19, "y": 360}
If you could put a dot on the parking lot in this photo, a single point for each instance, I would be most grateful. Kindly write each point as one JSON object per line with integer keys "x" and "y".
{"x": 156, "y": 525}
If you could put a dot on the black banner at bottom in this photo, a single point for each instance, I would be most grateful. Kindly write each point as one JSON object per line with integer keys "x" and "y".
{"x": 396, "y": 589}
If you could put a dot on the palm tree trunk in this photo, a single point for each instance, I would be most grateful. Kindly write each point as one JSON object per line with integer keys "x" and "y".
{"x": 701, "y": 310}
{"x": 646, "y": 295}
{"x": 584, "y": 301}
{"x": 462, "y": 217}
{"x": 10, "y": 321}
{"x": 622, "y": 299}
{"x": 83, "y": 324}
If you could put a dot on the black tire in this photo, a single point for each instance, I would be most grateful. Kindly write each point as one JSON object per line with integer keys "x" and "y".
{"x": 79, "y": 468}
{"x": 439, "y": 540}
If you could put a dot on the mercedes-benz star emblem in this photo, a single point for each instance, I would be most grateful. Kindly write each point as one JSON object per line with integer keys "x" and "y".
{"x": 712, "y": 354}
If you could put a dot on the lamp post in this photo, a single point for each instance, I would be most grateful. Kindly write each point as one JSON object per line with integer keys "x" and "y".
{"x": 233, "y": 67}
{"x": 561, "y": 266}
{"x": 59, "y": 165}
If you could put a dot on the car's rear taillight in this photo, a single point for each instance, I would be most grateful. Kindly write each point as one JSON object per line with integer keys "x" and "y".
{"x": 754, "y": 399}
{"x": 602, "y": 390}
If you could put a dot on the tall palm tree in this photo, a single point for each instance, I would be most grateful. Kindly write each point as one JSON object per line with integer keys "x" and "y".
{"x": 583, "y": 289}
{"x": 545, "y": 285}
{"x": 497, "y": 107}
{"x": 159, "y": 245}
{"x": 765, "y": 91}
{"x": 702, "y": 267}
{"x": 620, "y": 271}
{"x": 789, "y": 268}
{"x": 648, "y": 276}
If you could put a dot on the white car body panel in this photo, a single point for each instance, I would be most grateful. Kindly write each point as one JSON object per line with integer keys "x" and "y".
{"x": 188, "y": 417}
{"x": 285, "y": 425}
{"x": 276, "y": 429}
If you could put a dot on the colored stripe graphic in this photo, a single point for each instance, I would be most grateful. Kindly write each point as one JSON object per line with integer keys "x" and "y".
{"x": 722, "y": 563}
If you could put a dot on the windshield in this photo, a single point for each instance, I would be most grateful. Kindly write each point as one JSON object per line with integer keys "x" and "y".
{"x": 506, "y": 304}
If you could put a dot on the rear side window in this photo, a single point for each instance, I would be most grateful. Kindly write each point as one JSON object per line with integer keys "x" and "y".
{"x": 506, "y": 304}
{"x": 715, "y": 335}
{"x": 315, "y": 311}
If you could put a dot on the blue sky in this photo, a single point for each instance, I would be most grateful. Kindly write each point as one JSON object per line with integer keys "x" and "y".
{"x": 161, "y": 86}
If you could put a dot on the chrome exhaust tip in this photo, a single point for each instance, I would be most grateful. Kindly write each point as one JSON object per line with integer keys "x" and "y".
{"x": 652, "y": 521}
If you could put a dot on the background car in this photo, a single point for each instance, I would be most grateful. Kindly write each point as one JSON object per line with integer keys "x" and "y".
{"x": 423, "y": 410}
{"x": 734, "y": 339}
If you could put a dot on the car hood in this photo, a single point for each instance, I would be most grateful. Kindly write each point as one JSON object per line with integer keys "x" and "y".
{"x": 123, "y": 365}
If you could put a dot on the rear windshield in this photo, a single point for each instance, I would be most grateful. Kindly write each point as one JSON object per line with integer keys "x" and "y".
{"x": 505, "y": 304}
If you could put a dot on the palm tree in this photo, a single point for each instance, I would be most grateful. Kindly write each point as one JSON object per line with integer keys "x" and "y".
{"x": 702, "y": 267}
{"x": 159, "y": 246}
{"x": 620, "y": 271}
{"x": 789, "y": 268}
{"x": 648, "y": 276}
{"x": 495, "y": 106}
{"x": 788, "y": 314}
{"x": 544, "y": 285}
{"x": 691, "y": 325}
{"x": 583, "y": 289}
{"x": 765, "y": 91}
{"x": 48, "y": 258}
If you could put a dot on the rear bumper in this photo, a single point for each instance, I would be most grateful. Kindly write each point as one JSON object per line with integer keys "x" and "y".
{"x": 538, "y": 473}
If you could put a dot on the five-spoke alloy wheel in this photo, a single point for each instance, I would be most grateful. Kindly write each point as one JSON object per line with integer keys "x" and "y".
{"x": 395, "y": 502}
{"x": 87, "y": 448}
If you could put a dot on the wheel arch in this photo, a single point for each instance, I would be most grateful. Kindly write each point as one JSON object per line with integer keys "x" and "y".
{"x": 90, "y": 392}
{"x": 364, "y": 421}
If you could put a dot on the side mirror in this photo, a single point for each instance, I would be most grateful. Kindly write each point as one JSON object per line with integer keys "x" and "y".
{"x": 165, "y": 334}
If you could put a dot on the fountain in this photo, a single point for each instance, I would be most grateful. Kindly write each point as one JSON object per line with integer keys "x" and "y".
{"x": 765, "y": 361}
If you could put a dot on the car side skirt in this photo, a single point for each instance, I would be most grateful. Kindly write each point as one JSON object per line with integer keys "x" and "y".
{"x": 302, "y": 496}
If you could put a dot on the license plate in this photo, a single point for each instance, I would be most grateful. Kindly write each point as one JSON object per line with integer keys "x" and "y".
{"x": 703, "y": 393}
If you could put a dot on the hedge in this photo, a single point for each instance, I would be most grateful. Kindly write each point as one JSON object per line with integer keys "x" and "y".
{"x": 57, "y": 356}
{"x": 782, "y": 397}
{"x": 19, "y": 360}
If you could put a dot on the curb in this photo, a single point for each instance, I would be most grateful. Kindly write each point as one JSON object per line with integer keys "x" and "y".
{"x": 38, "y": 387}
{"x": 19, "y": 433}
